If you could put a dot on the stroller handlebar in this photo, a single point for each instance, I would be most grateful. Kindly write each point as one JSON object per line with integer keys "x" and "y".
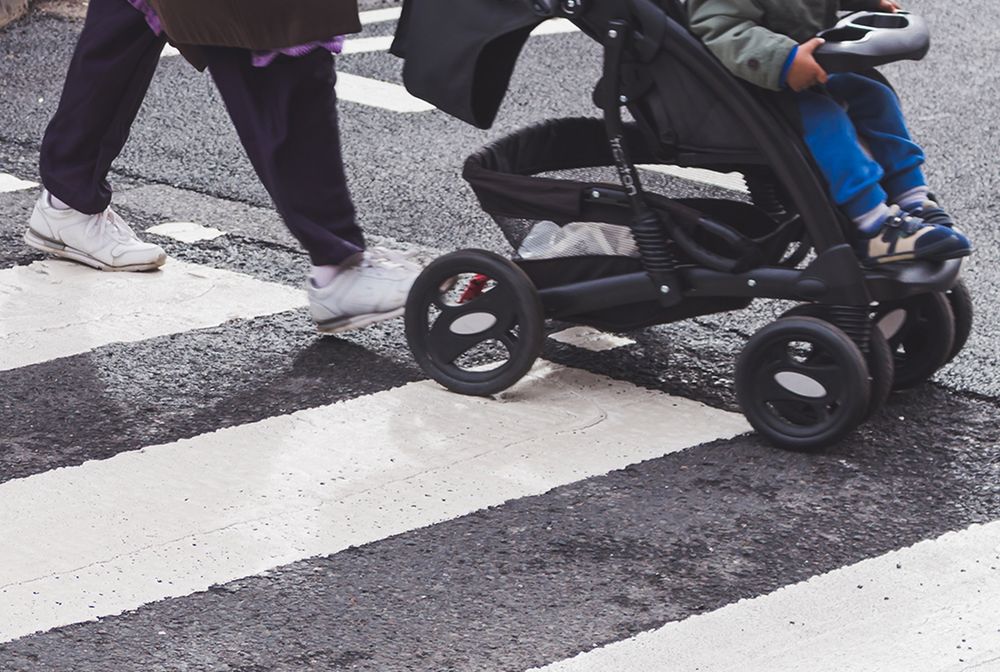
{"x": 865, "y": 40}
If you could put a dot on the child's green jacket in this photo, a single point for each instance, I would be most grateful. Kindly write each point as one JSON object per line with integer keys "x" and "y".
{"x": 754, "y": 38}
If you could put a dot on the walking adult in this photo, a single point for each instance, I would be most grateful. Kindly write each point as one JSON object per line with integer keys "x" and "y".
{"x": 273, "y": 65}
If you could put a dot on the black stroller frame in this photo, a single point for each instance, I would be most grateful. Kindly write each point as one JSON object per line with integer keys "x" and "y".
{"x": 690, "y": 262}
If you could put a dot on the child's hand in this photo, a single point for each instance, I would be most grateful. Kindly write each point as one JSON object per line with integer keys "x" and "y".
{"x": 805, "y": 72}
{"x": 889, "y": 6}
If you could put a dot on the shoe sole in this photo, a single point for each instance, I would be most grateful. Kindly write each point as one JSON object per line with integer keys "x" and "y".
{"x": 57, "y": 249}
{"x": 345, "y": 324}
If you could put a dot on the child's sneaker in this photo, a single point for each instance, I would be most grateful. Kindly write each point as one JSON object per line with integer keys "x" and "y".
{"x": 103, "y": 240}
{"x": 932, "y": 213}
{"x": 369, "y": 288}
{"x": 903, "y": 237}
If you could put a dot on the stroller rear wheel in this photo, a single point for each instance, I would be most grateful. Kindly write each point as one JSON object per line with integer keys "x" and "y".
{"x": 921, "y": 332}
{"x": 881, "y": 367}
{"x": 474, "y": 322}
{"x": 802, "y": 383}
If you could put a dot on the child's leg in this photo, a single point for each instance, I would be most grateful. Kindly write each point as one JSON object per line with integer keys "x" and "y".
{"x": 286, "y": 117}
{"x": 108, "y": 77}
{"x": 853, "y": 176}
{"x": 875, "y": 111}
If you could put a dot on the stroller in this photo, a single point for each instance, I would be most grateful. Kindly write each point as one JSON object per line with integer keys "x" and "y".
{"x": 618, "y": 257}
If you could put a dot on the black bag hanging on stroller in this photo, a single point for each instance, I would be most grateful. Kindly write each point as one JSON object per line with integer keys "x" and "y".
{"x": 618, "y": 257}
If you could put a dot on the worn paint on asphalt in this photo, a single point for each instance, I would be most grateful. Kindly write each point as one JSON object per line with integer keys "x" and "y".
{"x": 175, "y": 519}
{"x": 932, "y": 606}
{"x": 57, "y": 308}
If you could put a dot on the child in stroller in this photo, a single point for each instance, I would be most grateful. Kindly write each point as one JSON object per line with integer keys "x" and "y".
{"x": 880, "y": 185}
{"x": 475, "y": 320}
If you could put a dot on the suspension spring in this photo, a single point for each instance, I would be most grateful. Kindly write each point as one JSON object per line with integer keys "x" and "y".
{"x": 657, "y": 257}
{"x": 856, "y": 322}
{"x": 766, "y": 195}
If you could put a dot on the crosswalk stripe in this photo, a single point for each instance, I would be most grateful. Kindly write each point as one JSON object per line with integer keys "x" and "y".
{"x": 730, "y": 181}
{"x": 380, "y": 15}
{"x": 186, "y": 232}
{"x": 173, "y": 519}
{"x": 932, "y": 606}
{"x": 54, "y": 308}
{"x": 374, "y": 93}
{"x": 365, "y": 45}
{"x": 10, "y": 183}
{"x": 555, "y": 27}
{"x": 590, "y": 338}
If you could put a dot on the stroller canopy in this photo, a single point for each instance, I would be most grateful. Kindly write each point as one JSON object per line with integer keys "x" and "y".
{"x": 460, "y": 54}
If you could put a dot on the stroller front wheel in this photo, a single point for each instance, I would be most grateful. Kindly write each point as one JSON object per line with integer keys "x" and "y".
{"x": 474, "y": 322}
{"x": 802, "y": 383}
{"x": 881, "y": 364}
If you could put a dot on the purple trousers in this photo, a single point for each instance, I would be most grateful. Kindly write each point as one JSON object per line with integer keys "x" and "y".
{"x": 285, "y": 115}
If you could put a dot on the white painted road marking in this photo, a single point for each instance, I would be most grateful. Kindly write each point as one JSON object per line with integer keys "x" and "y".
{"x": 54, "y": 309}
{"x": 731, "y": 181}
{"x": 591, "y": 339}
{"x": 10, "y": 183}
{"x": 365, "y": 45}
{"x": 933, "y": 606}
{"x": 170, "y": 520}
{"x": 186, "y": 232}
{"x": 555, "y": 27}
{"x": 380, "y": 15}
{"x": 378, "y": 94}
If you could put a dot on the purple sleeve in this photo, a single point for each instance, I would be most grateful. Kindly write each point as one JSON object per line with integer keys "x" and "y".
{"x": 152, "y": 20}
{"x": 262, "y": 59}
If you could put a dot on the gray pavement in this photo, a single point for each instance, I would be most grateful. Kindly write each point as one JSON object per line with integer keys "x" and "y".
{"x": 540, "y": 578}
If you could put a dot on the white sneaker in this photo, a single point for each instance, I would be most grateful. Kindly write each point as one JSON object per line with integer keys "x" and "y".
{"x": 406, "y": 259}
{"x": 370, "y": 288}
{"x": 103, "y": 241}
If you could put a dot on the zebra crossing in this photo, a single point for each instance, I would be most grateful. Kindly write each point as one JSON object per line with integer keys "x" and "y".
{"x": 415, "y": 461}
{"x": 804, "y": 627}
{"x": 164, "y": 526}
{"x": 191, "y": 479}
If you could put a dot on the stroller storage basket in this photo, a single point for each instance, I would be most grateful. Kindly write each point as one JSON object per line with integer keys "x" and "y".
{"x": 505, "y": 178}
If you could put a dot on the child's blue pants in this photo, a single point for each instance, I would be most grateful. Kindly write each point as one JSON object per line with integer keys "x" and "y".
{"x": 859, "y": 139}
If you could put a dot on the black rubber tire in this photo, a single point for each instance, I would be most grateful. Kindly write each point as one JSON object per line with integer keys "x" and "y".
{"x": 960, "y": 301}
{"x": 513, "y": 303}
{"x": 921, "y": 334}
{"x": 797, "y": 420}
{"x": 881, "y": 371}
{"x": 881, "y": 365}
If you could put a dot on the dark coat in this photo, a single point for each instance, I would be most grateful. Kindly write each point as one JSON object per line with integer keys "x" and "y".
{"x": 460, "y": 54}
{"x": 253, "y": 24}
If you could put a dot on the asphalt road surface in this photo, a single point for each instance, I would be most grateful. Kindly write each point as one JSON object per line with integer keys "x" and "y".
{"x": 192, "y": 479}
